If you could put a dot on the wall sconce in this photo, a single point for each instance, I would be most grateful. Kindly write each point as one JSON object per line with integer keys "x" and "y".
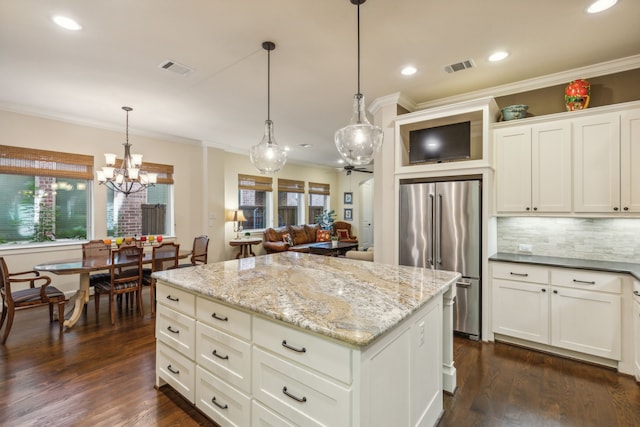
{"x": 237, "y": 216}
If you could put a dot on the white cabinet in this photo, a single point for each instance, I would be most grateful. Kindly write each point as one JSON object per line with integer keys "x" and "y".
{"x": 576, "y": 310}
{"x": 521, "y": 301}
{"x": 629, "y": 161}
{"x": 533, "y": 168}
{"x": 636, "y": 328}
{"x": 596, "y": 142}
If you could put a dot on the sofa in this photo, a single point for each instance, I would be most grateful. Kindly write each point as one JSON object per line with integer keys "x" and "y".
{"x": 301, "y": 237}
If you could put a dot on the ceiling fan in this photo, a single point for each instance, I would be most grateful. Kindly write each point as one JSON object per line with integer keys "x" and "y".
{"x": 350, "y": 168}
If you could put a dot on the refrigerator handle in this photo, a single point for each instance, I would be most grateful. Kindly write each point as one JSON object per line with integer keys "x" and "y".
{"x": 439, "y": 225}
{"x": 433, "y": 213}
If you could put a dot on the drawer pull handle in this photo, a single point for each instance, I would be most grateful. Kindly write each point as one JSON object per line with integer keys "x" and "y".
{"x": 170, "y": 298}
{"x": 173, "y": 331}
{"x": 215, "y": 353}
{"x": 584, "y": 282}
{"x": 223, "y": 319}
{"x": 298, "y": 350}
{"x": 170, "y": 369}
{"x": 636, "y": 293}
{"x": 215, "y": 402}
{"x": 296, "y": 398}
{"x": 519, "y": 274}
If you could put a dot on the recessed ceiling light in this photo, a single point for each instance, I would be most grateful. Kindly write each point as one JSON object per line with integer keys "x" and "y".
{"x": 305, "y": 145}
{"x": 287, "y": 148}
{"x": 601, "y": 5}
{"x": 67, "y": 23}
{"x": 498, "y": 56}
{"x": 341, "y": 161}
{"x": 409, "y": 70}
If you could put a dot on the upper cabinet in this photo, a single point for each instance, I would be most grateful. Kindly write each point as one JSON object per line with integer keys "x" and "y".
{"x": 533, "y": 168}
{"x": 572, "y": 164}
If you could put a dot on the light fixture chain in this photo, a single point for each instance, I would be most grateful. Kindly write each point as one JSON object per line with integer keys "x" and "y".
{"x": 268, "y": 84}
{"x": 358, "y": 48}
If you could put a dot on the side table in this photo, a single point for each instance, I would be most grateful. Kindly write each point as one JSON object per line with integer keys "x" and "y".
{"x": 245, "y": 246}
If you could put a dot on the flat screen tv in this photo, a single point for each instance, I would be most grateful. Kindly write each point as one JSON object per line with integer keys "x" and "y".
{"x": 441, "y": 143}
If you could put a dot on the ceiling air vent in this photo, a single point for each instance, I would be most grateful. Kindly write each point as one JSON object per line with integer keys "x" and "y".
{"x": 459, "y": 66}
{"x": 176, "y": 67}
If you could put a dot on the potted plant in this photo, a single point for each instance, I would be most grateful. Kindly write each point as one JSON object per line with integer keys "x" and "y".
{"x": 326, "y": 219}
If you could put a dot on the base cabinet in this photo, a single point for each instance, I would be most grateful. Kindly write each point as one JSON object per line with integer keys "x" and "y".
{"x": 636, "y": 328}
{"x": 568, "y": 309}
{"x": 245, "y": 370}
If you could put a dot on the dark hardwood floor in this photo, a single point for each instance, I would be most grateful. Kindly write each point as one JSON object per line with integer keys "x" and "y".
{"x": 97, "y": 374}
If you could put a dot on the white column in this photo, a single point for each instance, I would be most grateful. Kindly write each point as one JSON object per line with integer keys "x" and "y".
{"x": 449, "y": 378}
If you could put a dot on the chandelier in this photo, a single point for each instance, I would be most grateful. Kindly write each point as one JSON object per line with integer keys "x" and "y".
{"x": 268, "y": 156}
{"x": 128, "y": 178}
{"x": 359, "y": 141}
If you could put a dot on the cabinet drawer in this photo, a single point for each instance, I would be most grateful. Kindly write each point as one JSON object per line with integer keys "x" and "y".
{"x": 225, "y": 356}
{"x": 585, "y": 279}
{"x": 261, "y": 416}
{"x": 300, "y": 395}
{"x": 176, "y": 330}
{"x": 221, "y": 402}
{"x": 177, "y": 299}
{"x": 315, "y": 352}
{"x": 520, "y": 272}
{"x": 176, "y": 370}
{"x": 223, "y": 317}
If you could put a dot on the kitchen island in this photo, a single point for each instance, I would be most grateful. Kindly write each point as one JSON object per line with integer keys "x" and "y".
{"x": 300, "y": 339}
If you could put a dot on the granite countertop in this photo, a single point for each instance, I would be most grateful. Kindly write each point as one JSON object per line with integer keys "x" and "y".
{"x": 349, "y": 300}
{"x": 584, "y": 264}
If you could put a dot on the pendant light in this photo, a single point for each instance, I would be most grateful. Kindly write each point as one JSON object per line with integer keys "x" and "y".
{"x": 359, "y": 141}
{"x": 268, "y": 156}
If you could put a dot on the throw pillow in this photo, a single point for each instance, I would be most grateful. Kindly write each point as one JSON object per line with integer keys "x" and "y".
{"x": 343, "y": 233}
{"x": 287, "y": 239}
{"x": 323, "y": 236}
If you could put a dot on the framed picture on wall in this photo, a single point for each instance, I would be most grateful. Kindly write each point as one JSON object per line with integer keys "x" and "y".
{"x": 348, "y": 198}
{"x": 348, "y": 214}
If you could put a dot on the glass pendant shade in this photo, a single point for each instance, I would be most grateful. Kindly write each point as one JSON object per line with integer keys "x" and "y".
{"x": 359, "y": 141}
{"x": 268, "y": 156}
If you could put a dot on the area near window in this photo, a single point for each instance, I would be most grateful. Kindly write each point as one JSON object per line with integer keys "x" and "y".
{"x": 290, "y": 202}
{"x": 45, "y": 195}
{"x": 318, "y": 200}
{"x": 254, "y": 199}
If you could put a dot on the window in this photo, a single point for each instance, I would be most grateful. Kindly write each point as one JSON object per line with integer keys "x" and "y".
{"x": 318, "y": 200}
{"x": 44, "y": 195}
{"x": 148, "y": 212}
{"x": 290, "y": 202}
{"x": 254, "y": 199}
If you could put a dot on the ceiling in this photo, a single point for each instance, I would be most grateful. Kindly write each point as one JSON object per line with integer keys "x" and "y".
{"x": 88, "y": 75}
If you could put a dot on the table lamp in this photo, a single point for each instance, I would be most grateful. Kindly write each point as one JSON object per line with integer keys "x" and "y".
{"x": 237, "y": 217}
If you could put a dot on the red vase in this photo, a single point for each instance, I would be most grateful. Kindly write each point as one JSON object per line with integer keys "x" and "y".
{"x": 577, "y": 95}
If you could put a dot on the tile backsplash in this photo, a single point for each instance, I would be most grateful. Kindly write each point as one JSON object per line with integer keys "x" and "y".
{"x": 604, "y": 239}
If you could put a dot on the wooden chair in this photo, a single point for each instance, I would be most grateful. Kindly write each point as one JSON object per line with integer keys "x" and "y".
{"x": 30, "y": 297}
{"x": 164, "y": 257}
{"x": 199, "y": 252}
{"x": 339, "y": 228}
{"x": 125, "y": 277}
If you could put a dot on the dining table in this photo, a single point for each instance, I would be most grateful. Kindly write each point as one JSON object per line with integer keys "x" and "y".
{"x": 84, "y": 267}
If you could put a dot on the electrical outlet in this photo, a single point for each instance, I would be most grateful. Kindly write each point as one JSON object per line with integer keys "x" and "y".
{"x": 522, "y": 247}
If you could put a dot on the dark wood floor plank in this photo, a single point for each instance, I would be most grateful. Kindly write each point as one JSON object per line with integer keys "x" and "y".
{"x": 98, "y": 374}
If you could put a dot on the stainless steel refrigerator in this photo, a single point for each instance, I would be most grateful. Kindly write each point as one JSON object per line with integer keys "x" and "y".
{"x": 440, "y": 228}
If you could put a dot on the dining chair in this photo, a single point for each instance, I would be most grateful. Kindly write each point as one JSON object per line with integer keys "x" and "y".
{"x": 33, "y": 296}
{"x": 125, "y": 277}
{"x": 199, "y": 252}
{"x": 163, "y": 257}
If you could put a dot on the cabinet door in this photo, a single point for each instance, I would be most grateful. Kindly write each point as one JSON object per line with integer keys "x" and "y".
{"x": 513, "y": 169}
{"x": 586, "y": 321}
{"x": 636, "y": 329}
{"x": 551, "y": 167}
{"x": 521, "y": 310}
{"x": 596, "y": 143}
{"x": 629, "y": 161}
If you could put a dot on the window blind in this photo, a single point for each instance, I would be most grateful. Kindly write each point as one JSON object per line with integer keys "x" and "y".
{"x": 319, "y": 188}
{"x": 257, "y": 183}
{"x": 32, "y": 162}
{"x": 290, "y": 186}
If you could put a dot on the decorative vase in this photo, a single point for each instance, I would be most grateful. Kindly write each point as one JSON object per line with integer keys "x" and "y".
{"x": 577, "y": 95}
